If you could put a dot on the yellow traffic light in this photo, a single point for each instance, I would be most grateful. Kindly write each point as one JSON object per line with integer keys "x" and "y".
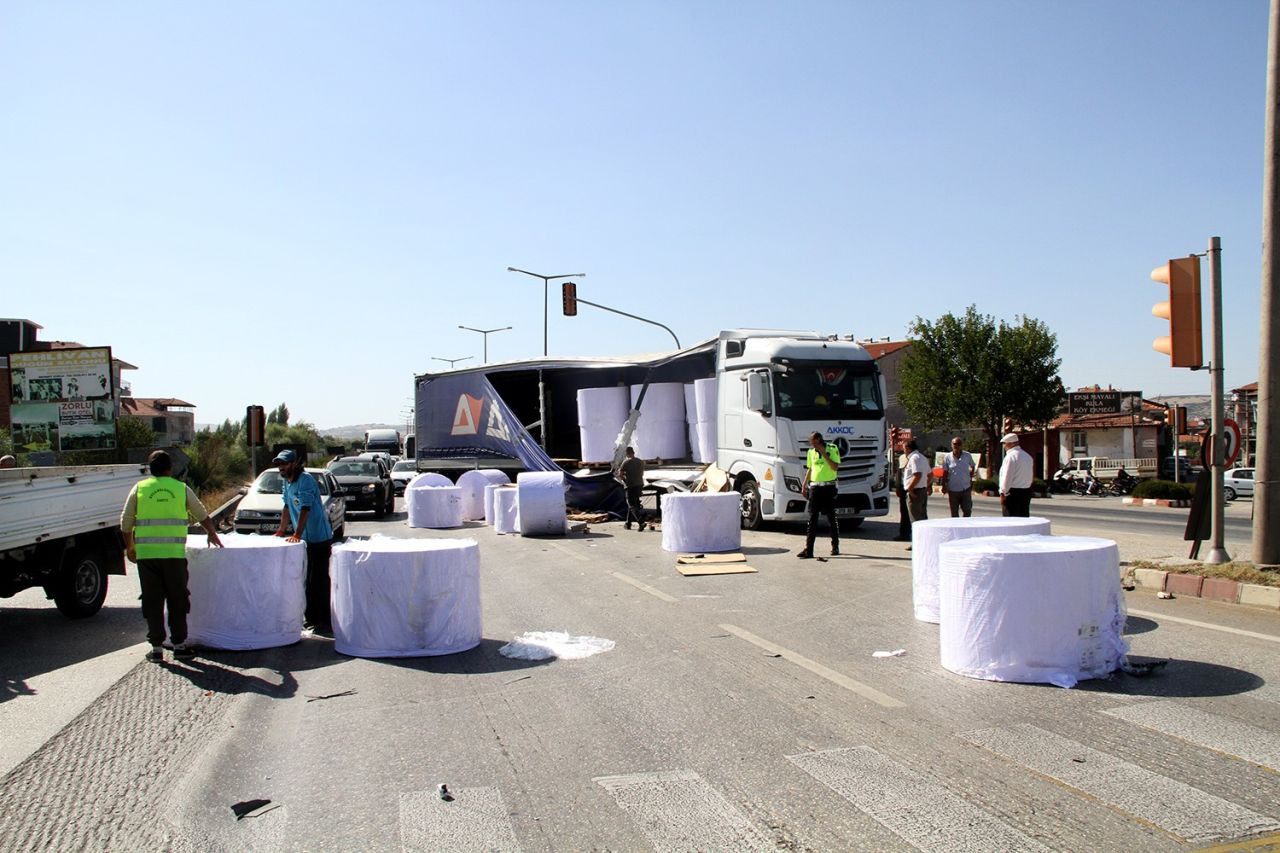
{"x": 1182, "y": 310}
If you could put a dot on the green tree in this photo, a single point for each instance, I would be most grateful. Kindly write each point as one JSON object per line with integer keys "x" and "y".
{"x": 279, "y": 415}
{"x": 134, "y": 432}
{"x": 972, "y": 371}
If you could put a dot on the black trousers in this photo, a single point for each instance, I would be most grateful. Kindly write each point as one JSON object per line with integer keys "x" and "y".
{"x": 822, "y": 501}
{"x": 164, "y": 584}
{"x": 1018, "y": 503}
{"x": 904, "y": 516}
{"x": 317, "y": 612}
{"x": 634, "y": 510}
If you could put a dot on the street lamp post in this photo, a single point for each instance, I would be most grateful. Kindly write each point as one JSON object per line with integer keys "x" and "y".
{"x": 450, "y": 361}
{"x": 486, "y": 333}
{"x": 542, "y": 389}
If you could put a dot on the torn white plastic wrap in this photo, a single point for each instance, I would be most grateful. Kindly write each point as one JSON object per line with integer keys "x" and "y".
{"x": 701, "y": 522}
{"x": 544, "y": 645}
{"x": 248, "y": 594}
{"x": 927, "y": 535}
{"x": 540, "y": 507}
{"x": 1042, "y": 609}
{"x": 436, "y": 507}
{"x": 506, "y": 506}
{"x": 601, "y": 414}
{"x": 473, "y": 484}
{"x": 661, "y": 431}
{"x": 405, "y": 597}
{"x": 423, "y": 481}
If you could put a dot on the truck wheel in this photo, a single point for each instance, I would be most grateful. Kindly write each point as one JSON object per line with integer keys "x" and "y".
{"x": 750, "y": 504}
{"x": 82, "y": 586}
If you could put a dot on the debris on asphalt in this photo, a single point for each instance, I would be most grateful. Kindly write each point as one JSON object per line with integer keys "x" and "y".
{"x": 544, "y": 645}
{"x": 896, "y": 653}
{"x": 442, "y": 790}
{"x": 514, "y": 680}
{"x": 252, "y": 808}
{"x": 331, "y": 695}
{"x": 1163, "y": 594}
{"x": 1141, "y": 669}
{"x": 772, "y": 655}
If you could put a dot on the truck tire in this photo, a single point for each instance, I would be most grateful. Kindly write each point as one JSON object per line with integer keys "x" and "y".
{"x": 750, "y": 504}
{"x": 82, "y": 586}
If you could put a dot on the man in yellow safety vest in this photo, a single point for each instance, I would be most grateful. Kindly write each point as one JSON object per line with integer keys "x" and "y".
{"x": 154, "y": 524}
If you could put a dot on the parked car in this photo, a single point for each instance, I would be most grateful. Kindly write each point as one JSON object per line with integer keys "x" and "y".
{"x": 259, "y": 510}
{"x": 1238, "y": 482}
{"x": 366, "y": 483}
{"x": 401, "y": 473}
{"x": 1186, "y": 471}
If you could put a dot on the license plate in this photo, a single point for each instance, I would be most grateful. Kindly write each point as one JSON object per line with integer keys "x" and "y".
{"x": 266, "y": 528}
{"x": 845, "y": 510}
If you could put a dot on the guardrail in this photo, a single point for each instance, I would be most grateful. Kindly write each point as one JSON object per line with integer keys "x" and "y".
{"x": 221, "y": 516}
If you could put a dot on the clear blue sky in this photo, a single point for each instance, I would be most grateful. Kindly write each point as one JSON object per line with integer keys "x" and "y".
{"x": 301, "y": 201}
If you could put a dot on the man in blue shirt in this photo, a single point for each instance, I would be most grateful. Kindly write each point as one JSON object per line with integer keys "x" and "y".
{"x": 310, "y": 525}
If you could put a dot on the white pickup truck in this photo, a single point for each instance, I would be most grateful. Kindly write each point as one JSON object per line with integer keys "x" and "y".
{"x": 1105, "y": 468}
{"x": 60, "y": 529}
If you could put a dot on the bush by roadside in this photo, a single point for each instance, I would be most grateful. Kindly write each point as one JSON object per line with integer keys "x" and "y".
{"x": 1162, "y": 490}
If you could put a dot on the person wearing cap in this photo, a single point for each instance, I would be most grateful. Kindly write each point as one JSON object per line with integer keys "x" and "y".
{"x": 310, "y": 525}
{"x": 154, "y": 524}
{"x": 1015, "y": 478}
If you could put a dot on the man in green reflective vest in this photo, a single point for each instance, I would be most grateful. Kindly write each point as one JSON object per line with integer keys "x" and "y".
{"x": 154, "y": 524}
{"x": 822, "y": 467}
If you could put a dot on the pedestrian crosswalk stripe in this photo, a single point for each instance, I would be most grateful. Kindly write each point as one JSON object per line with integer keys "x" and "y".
{"x": 679, "y": 810}
{"x": 924, "y": 814}
{"x": 1185, "y": 812}
{"x": 1210, "y": 731}
{"x": 474, "y": 819}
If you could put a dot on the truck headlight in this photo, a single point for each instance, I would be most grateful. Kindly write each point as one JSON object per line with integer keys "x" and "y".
{"x": 792, "y": 484}
{"x": 883, "y": 480}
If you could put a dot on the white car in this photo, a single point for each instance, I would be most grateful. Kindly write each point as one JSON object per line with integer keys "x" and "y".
{"x": 1238, "y": 482}
{"x": 401, "y": 473}
{"x": 259, "y": 510}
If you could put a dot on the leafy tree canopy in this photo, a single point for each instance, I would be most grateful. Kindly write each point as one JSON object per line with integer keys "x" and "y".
{"x": 972, "y": 371}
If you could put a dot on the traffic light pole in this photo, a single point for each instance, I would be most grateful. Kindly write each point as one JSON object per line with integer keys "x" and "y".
{"x": 1266, "y": 494}
{"x": 1217, "y": 550}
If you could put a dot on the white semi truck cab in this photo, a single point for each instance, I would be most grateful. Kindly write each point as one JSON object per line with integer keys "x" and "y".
{"x": 774, "y": 390}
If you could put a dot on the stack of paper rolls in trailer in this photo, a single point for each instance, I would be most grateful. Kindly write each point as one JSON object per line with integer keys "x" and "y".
{"x": 601, "y": 414}
{"x": 661, "y": 431}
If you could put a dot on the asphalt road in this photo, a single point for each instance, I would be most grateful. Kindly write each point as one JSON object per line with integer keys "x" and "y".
{"x": 735, "y": 712}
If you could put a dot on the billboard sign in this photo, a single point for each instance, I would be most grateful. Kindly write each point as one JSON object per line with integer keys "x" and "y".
{"x": 62, "y": 400}
{"x": 1093, "y": 403}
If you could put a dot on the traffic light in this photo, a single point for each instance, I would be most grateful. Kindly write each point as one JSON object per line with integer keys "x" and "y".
{"x": 1182, "y": 310}
{"x": 895, "y": 437}
{"x": 569, "y": 291}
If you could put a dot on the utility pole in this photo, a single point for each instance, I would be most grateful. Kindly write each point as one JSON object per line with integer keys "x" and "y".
{"x": 1266, "y": 493}
{"x": 542, "y": 387}
{"x": 1217, "y": 550}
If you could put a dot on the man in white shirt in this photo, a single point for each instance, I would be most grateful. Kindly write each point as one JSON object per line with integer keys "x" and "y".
{"x": 957, "y": 479}
{"x": 1015, "y": 479}
{"x": 915, "y": 478}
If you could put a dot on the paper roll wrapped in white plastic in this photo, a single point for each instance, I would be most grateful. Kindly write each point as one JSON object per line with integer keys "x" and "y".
{"x": 1041, "y": 609}
{"x": 704, "y": 391}
{"x": 706, "y": 438}
{"x": 540, "y": 507}
{"x": 705, "y": 394}
{"x": 927, "y": 535}
{"x": 249, "y": 594}
{"x": 661, "y": 431}
{"x": 506, "y": 518}
{"x": 488, "y": 501}
{"x": 473, "y": 484}
{"x": 436, "y": 507}
{"x": 397, "y": 598}
{"x": 424, "y": 480}
{"x": 601, "y": 414}
{"x": 701, "y": 522}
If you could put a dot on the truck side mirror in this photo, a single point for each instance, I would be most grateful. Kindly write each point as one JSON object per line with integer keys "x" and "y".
{"x": 757, "y": 393}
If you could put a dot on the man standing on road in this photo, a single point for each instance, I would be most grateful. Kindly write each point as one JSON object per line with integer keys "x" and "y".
{"x": 915, "y": 478}
{"x": 632, "y": 473}
{"x": 310, "y": 525}
{"x": 154, "y": 524}
{"x": 821, "y": 468}
{"x": 957, "y": 479}
{"x": 1015, "y": 479}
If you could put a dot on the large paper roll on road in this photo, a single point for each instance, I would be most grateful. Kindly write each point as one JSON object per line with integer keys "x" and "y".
{"x": 541, "y": 504}
{"x": 661, "y": 431}
{"x": 422, "y": 481}
{"x": 436, "y": 507}
{"x": 601, "y": 414}
{"x": 472, "y": 484}
{"x": 247, "y": 594}
{"x": 1041, "y": 609}
{"x": 488, "y": 501}
{"x": 506, "y": 517}
{"x": 397, "y": 598}
{"x": 701, "y": 522}
{"x": 928, "y": 535}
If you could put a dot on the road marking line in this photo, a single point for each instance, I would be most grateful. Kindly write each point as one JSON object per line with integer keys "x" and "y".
{"x": 1238, "y": 631}
{"x": 679, "y": 810}
{"x": 1218, "y": 734}
{"x": 925, "y": 815}
{"x": 1261, "y": 844}
{"x": 866, "y": 691}
{"x": 560, "y": 546}
{"x": 641, "y": 585}
{"x": 476, "y": 819}
{"x": 1184, "y": 812}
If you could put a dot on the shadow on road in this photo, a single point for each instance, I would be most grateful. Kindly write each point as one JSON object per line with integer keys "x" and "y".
{"x": 37, "y": 640}
{"x": 210, "y": 675}
{"x": 1181, "y": 679}
{"x": 764, "y": 550}
{"x": 1138, "y": 625}
{"x": 483, "y": 658}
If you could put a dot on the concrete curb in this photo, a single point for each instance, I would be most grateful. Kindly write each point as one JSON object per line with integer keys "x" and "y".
{"x": 1156, "y": 502}
{"x": 1214, "y": 589}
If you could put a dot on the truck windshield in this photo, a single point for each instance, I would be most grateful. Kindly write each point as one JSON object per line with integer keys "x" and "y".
{"x": 814, "y": 391}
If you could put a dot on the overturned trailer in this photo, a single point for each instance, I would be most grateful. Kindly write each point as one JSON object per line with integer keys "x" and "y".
{"x": 771, "y": 390}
